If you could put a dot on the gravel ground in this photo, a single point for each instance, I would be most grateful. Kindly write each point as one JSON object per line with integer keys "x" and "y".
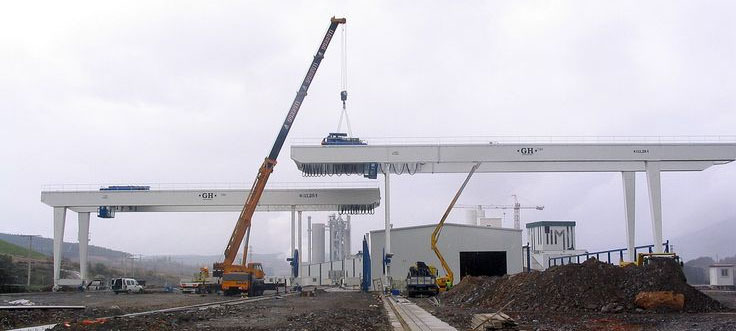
{"x": 460, "y": 317}
{"x": 99, "y": 304}
{"x": 587, "y": 296}
{"x": 727, "y": 298}
{"x": 326, "y": 311}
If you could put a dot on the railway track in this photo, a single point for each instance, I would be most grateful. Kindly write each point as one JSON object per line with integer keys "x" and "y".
{"x": 169, "y": 310}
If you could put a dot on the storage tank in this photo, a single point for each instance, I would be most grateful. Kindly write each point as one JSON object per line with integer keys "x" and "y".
{"x": 318, "y": 242}
{"x": 470, "y": 216}
{"x": 473, "y": 215}
{"x": 347, "y": 236}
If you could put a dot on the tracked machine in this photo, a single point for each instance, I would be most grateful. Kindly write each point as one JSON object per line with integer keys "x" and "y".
{"x": 249, "y": 277}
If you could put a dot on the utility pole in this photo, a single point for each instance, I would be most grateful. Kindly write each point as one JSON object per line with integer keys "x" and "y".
{"x": 30, "y": 248}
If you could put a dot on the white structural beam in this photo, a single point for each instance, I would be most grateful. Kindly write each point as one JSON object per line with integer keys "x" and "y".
{"x": 309, "y": 239}
{"x": 293, "y": 227}
{"x": 350, "y": 200}
{"x": 83, "y": 237}
{"x": 299, "y": 235}
{"x": 320, "y": 199}
{"x": 387, "y": 226}
{"x": 625, "y": 157}
{"x": 655, "y": 203}
{"x": 456, "y": 158}
{"x": 59, "y": 220}
{"x": 299, "y": 244}
{"x": 629, "y": 181}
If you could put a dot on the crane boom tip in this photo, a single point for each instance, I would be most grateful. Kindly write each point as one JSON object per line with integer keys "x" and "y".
{"x": 338, "y": 20}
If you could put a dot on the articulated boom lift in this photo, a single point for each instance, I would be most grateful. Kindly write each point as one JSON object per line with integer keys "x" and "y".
{"x": 445, "y": 283}
{"x": 249, "y": 277}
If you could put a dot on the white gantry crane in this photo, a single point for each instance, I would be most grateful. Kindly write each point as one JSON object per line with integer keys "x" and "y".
{"x": 517, "y": 207}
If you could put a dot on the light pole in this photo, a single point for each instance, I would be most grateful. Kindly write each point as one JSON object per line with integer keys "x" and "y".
{"x": 30, "y": 248}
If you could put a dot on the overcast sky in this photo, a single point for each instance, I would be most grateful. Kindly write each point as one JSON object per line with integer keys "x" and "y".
{"x": 194, "y": 92}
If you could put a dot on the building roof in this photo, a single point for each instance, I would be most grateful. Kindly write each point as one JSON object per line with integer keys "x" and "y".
{"x": 446, "y": 225}
{"x": 550, "y": 223}
{"x": 717, "y": 265}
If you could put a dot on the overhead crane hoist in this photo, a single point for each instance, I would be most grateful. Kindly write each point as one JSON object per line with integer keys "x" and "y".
{"x": 444, "y": 283}
{"x": 249, "y": 277}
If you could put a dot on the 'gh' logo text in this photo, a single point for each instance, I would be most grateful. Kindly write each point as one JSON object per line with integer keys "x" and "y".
{"x": 528, "y": 150}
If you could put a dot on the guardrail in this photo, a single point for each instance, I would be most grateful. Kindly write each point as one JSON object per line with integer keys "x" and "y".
{"x": 553, "y": 261}
{"x": 210, "y": 186}
{"x": 531, "y": 139}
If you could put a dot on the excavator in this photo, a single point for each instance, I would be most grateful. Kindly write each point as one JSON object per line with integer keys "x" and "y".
{"x": 249, "y": 277}
{"x": 445, "y": 282}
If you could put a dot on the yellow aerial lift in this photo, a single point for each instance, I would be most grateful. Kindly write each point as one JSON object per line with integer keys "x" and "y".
{"x": 249, "y": 277}
{"x": 445, "y": 283}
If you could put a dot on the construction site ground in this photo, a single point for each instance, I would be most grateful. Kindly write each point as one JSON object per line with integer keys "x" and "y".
{"x": 341, "y": 310}
{"x": 588, "y": 296}
{"x": 460, "y": 317}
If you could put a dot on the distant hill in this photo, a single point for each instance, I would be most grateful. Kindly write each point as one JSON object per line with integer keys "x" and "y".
{"x": 45, "y": 246}
{"x": 273, "y": 264}
{"x": 15, "y": 250}
{"x": 717, "y": 239}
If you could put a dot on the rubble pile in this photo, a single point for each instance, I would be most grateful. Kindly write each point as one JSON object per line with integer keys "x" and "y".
{"x": 590, "y": 286}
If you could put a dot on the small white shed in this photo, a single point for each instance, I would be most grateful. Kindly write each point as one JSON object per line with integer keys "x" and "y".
{"x": 721, "y": 275}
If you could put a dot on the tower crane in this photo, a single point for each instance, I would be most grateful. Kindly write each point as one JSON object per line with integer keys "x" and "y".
{"x": 250, "y": 277}
{"x": 517, "y": 207}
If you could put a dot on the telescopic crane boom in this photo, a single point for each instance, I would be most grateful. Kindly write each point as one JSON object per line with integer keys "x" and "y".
{"x": 244, "y": 220}
{"x": 446, "y": 282}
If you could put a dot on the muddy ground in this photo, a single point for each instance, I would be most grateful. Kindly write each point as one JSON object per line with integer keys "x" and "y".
{"x": 460, "y": 317}
{"x": 326, "y": 311}
{"x": 98, "y": 304}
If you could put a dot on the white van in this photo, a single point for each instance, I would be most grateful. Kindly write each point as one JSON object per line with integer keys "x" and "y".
{"x": 127, "y": 285}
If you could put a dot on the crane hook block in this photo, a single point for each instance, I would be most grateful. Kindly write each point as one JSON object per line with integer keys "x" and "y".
{"x": 338, "y": 20}
{"x": 343, "y": 95}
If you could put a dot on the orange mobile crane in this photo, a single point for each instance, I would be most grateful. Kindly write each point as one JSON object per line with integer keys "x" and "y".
{"x": 249, "y": 277}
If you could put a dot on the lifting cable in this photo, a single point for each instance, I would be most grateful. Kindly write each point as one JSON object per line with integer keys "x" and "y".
{"x": 344, "y": 81}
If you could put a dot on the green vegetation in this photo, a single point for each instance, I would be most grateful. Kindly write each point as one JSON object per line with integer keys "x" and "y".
{"x": 15, "y": 250}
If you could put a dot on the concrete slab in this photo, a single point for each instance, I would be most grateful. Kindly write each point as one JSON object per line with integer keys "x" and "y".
{"x": 413, "y": 317}
{"x": 391, "y": 313}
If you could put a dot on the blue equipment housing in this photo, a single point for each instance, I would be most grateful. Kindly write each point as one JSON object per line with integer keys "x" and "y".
{"x": 339, "y": 138}
{"x": 365, "y": 284}
{"x": 294, "y": 263}
{"x": 126, "y": 188}
{"x": 105, "y": 212}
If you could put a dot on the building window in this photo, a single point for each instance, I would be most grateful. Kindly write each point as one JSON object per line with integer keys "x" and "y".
{"x": 724, "y": 272}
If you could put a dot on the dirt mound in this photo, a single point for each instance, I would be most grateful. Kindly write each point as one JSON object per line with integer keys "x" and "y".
{"x": 590, "y": 286}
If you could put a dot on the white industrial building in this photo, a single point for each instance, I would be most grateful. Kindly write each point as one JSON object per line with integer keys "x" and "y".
{"x": 721, "y": 275}
{"x": 468, "y": 250}
{"x": 550, "y": 239}
{"x": 345, "y": 272}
